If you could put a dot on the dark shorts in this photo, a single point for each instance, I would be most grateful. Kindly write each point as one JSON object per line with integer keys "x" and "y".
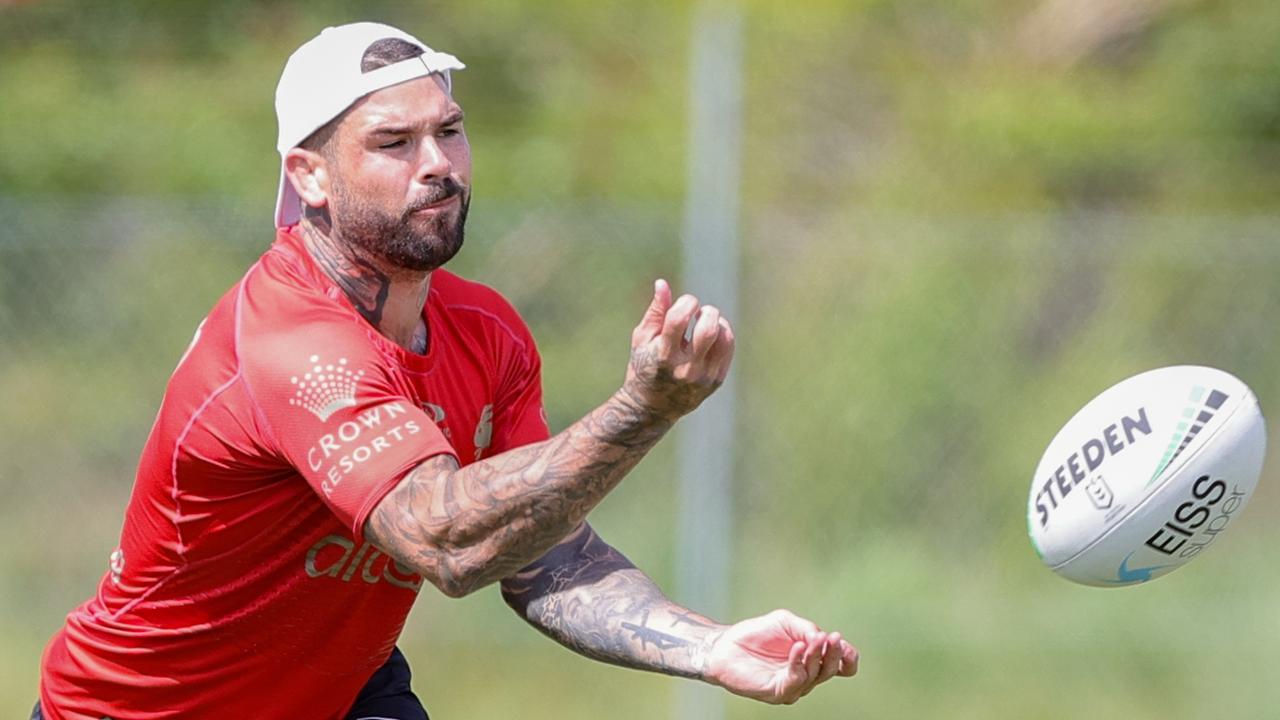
{"x": 387, "y": 695}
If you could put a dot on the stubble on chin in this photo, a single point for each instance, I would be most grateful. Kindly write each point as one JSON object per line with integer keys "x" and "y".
{"x": 406, "y": 242}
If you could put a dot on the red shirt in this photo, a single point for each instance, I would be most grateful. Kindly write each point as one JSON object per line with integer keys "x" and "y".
{"x": 242, "y": 586}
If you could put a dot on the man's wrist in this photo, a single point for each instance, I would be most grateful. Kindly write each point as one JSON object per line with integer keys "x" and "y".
{"x": 643, "y": 413}
{"x": 700, "y": 657}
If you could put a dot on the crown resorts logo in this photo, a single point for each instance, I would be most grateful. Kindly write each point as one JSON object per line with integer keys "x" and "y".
{"x": 326, "y": 389}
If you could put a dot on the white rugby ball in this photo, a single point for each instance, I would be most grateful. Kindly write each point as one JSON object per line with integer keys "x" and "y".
{"x": 1146, "y": 476}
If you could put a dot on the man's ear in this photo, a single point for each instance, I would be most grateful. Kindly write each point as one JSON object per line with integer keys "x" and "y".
{"x": 309, "y": 173}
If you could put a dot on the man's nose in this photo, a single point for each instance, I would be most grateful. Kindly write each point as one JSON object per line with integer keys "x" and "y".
{"x": 433, "y": 163}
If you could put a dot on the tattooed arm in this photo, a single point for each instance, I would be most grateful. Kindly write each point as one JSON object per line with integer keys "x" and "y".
{"x": 463, "y": 528}
{"x": 588, "y": 597}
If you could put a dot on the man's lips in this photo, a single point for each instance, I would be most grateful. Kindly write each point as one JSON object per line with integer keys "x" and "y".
{"x": 441, "y": 204}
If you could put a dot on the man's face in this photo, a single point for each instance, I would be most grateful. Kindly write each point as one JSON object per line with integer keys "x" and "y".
{"x": 401, "y": 175}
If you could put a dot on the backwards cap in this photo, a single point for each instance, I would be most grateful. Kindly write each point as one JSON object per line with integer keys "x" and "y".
{"x": 322, "y": 79}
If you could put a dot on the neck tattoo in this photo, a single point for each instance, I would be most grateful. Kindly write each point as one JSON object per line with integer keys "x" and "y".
{"x": 363, "y": 283}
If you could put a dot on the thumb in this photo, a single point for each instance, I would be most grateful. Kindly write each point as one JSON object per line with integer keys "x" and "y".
{"x": 792, "y": 624}
{"x": 656, "y": 313}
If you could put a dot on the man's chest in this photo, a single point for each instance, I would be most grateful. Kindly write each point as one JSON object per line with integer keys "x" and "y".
{"x": 459, "y": 397}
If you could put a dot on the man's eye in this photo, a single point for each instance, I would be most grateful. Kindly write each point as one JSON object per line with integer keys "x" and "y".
{"x": 392, "y": 144}
{"x": 449, "y": 132}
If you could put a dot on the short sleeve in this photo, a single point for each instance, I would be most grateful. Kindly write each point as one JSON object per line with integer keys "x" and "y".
{"x": 519, "y": 415}
{"x": 337, "y": 409}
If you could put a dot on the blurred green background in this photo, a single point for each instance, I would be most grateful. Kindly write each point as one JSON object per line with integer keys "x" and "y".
{"x": 960, "y": 221}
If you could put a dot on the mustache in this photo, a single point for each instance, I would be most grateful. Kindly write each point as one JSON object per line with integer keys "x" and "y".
{"x": 438, "y": 192}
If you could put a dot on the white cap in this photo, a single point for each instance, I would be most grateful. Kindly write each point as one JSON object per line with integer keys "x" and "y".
{"x": 322, "y": 79}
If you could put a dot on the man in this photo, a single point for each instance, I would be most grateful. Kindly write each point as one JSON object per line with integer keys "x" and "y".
{"x": 350, "y": 420}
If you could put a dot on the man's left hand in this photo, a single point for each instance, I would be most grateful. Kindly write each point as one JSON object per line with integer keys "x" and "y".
{"x": 777, "y": 658}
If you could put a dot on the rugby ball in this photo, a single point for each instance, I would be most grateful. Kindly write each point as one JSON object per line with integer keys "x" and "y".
{"x": 1146, "y": 476}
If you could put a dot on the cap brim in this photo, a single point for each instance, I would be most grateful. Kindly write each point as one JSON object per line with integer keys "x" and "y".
{"x": 288, "y": 204}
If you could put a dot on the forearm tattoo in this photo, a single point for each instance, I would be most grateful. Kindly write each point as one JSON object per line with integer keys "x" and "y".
{"x": 469, "y": 527}
{"x": 587, "y": 596}
{"x": 364, "y": 284}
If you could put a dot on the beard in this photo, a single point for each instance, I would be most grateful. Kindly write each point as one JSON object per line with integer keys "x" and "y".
{"x": 420, "y": 244}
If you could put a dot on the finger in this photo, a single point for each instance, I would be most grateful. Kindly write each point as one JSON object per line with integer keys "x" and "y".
{"x": 677, "y": 318}
{"x": 796, "y": 657}
{"x": 813, "y": 656}
{"x": 706, "y": 330}
{"x": 848, "y": 659}
{"x": 797, "y": 677}
{"x": 830, "y": 659}
{"x": 792, "y": 624}
{"x": 651, "y": 324}
{"x": 808, "y": 678}
{"x": 720, "y": 356}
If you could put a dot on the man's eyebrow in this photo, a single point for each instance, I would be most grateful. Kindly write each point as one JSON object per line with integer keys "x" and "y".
{"x": 453, "y": 118}
{"x": 393, "y": 130}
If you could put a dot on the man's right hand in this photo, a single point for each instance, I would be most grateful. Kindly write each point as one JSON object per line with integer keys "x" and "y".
{"x": 673, "y": 369}
{"x": 465, "y": 527}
